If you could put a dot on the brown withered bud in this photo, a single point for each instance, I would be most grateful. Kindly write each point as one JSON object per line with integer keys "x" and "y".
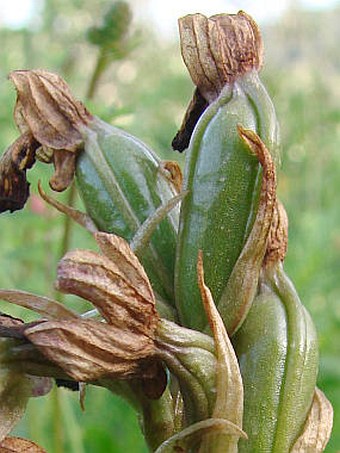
{"x": 46, "y": 107}
{"x": 216, "y": 51}
{"x": 49, "y": 117}
{"x": 278, "y": 236}
{"x": 119, "y": 289}
{"x": 88, "y": 350}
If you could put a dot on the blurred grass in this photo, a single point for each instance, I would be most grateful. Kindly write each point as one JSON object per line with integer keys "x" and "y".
{"x": 303, "y": 77}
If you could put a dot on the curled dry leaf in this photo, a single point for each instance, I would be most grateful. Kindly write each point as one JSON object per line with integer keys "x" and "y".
{"x": 318, "y": 426}
{"x": 88, "y": 350}
{"x": 19, "y": 445}
{"x": 120, "y": 291}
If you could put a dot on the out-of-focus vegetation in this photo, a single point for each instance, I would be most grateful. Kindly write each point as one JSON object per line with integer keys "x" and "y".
{"x": 146, "y": 93}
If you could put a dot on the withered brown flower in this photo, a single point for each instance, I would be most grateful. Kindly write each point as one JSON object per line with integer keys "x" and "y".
{"x": 87, "y": 349}
{"x": 48, "y": 117}
{"x": 216, "y": 51}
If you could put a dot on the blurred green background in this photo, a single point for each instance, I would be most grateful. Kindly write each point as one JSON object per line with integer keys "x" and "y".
{"x": 146, "y": 93}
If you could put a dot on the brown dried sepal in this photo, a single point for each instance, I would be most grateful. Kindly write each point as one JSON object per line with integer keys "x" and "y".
{"x": 278, "y": 236}
{"x": 47, "y": 108}
{"x": 14, "y": 187}
{"x": 218, "y": 49}
{"x": 88, "y": 350}
{"x": 117, "y": 286}
{"x": 19, "y": 445}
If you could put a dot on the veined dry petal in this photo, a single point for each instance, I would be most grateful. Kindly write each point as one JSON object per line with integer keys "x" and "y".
{"x": 88, "y": 350}
{"x": 118, "y": 250}
{"x": 98, "y": 279}
{"x": 219, "y": 49}
{"x": 46, "y": 107}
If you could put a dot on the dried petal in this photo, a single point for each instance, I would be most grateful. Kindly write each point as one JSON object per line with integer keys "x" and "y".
{"x": 118, "y": 250}
{"x": 88, "y": 350}
{"x": 194, "y": 35}
{"x": 14, "y": 188}
{"x": 65, "y": 167}
{"x": 236, "y": 44}
{"x": 219, "y": 49}
{"x": 46, "y": 107}
{"x": 318, "y": 426}
{"x": 19, "y": 445}
{"x": 46, "y": 307}
{"x": 98, "y": 279}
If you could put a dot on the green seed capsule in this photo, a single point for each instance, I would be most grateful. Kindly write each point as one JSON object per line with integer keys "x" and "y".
{"x": 223, "y": 181}
{"x": 122, "y": 183}
{"x": 278, "y": 355}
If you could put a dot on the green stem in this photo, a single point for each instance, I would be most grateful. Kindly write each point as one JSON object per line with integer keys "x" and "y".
{"x": 58, "y": 435}
{"x": 101, "y": 65}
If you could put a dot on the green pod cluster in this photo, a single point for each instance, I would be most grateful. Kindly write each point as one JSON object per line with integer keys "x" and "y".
{"x": 190, "y": 356}
{"x": 223, "y": 183}
{"x": 278, "y": 355}
{"x": 122, "y": 184}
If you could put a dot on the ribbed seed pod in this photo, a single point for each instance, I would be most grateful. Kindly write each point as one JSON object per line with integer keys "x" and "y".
{"x": 122, "y": 183}
{"x": 221, "y": 176}
{"x": 278, "y": 354}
